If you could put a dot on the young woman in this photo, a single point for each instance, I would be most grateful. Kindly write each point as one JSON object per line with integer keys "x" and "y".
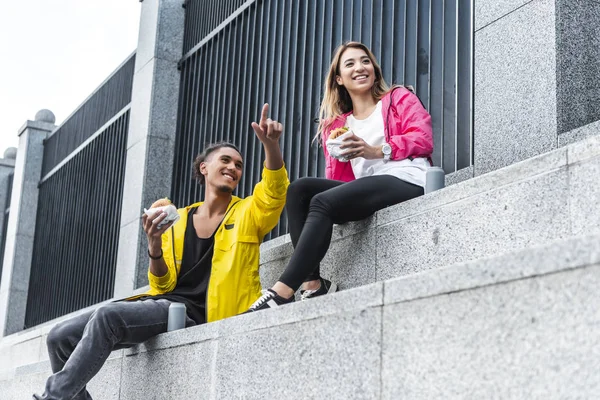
{"x": 389, "y": 153}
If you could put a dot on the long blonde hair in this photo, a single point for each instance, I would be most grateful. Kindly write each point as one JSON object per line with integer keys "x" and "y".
{"x": 336, "y": 99}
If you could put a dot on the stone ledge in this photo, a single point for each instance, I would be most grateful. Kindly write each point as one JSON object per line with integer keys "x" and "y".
{"x": 558, "y": 256}
{"x": 555, "y": 257}
{"x": 489, "y": 312}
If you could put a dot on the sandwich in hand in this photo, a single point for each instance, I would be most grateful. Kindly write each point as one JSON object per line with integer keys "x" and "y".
{"x": 338, "y": 132}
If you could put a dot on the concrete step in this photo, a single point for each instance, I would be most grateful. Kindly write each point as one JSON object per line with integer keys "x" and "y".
{"x": 520, "y": 325}
{"x": 539, "y": 200}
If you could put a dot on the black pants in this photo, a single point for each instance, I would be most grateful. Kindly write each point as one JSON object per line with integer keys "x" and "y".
{"x": 315, "y": 204}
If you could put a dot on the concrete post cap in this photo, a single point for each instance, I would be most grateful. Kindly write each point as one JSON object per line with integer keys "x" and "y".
{"x": 10, "y": 153}
{"x": 45, "y": 116}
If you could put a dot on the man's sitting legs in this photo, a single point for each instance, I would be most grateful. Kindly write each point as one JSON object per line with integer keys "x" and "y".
{"x": 77, "y": 354}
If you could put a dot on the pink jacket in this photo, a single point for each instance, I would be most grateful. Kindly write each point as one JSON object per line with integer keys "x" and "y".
{"x": 409, "y": 132}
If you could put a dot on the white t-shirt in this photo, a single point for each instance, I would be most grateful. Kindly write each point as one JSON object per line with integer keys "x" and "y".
{"x": 371, "y": 130}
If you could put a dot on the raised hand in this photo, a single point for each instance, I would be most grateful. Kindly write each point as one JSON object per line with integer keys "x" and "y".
{"x": 267, "y": 130}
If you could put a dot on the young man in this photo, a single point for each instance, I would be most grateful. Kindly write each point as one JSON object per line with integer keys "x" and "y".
{"x": 207, "y": 260}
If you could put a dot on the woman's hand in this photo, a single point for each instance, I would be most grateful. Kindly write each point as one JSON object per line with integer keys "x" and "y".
{"x": 357, "y": 147}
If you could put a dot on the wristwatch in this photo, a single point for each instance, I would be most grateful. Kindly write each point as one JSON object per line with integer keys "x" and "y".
{"x": 387, "y": 152}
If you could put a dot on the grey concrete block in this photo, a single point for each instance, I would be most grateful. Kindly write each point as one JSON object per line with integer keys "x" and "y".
{"x": 23, "y": 387}
{"x": 515, "y": 87}
{"x": 177, "y": 373}
{"x": 21, "y": 263}
{"x": 488, "y": 11}
{"x": 352, "y": 261}
{"x": 550, "y": 258}
{"x": 157, "y": 174}
{"x": 107, "y": 383}
{"x": 491, "y": 181}
{"x": 525, "y": 214}
{"x": 271, "y": 271}
{"x": 14, "y": 319}
{"x": 577, "y": 60}
{"x": 28, "y": 202}
{"x": 169, "y": 38}
{"x": 584, "y": 197}
{"x": 181, "y": 337}
{"x": 358, "y": 299}
{"x": 532, "y": 338}
{"x": 459, "y": 176}
{"x": 584, "y": 150}
{"x": 165, "y": 100}
{"x": 32, "y": 379}
{"x": 133, "y": 184}
{"x": 333, "y": 358}
{"x": 131, "y": 258}
{"x": 579, "y": 134}
{"x": 141, "y": 103}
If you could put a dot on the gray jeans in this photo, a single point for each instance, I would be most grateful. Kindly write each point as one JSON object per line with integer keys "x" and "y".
{"x": 79, "y": 346}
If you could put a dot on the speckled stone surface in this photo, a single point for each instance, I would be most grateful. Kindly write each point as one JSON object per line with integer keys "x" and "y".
{"x": 578, "y": 134}
{"x": 20, "y": 229}
{"x": 105, "y": 385}
{"x": 491, "y": 181}
{"x": 531, "y": 338}
{"x": 327, "y": 358}
{"x": 578, "y": 63}
{"x": 184, "y": 372}
{"x": 350, "y": 259}
{"x": 527, "y": 213}
{"x": 515, "y": 87}
{"x": 150, "y": 142}
{"x": 584, "y": 197}
{"x": 459, "y": 176}
{"x": 584, "y": 150}
{"x": 488, "y": 11}
{"x": 581, "y": 251}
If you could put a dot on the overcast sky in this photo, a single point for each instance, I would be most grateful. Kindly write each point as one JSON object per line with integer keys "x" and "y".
{"x": 53, "y": 54}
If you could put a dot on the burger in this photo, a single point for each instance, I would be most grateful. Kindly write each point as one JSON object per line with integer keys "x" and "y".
{"x": 161, "y": 203}
{"x": 338, "y": 132}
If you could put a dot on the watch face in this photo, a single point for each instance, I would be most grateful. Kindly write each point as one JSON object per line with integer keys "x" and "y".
{"x": 387, "y": 149}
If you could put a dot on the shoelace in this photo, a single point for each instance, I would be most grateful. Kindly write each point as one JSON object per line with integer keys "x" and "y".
{"x": 306, "y": 294}
{"x": 266, "y": 295}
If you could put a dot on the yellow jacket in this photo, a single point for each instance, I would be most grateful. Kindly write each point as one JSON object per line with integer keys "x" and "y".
{"x": 234, "y": 281}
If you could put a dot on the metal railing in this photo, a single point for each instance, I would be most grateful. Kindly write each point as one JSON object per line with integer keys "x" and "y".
{"x": 102, "y": 105}
{"x": 203, "y": 16}
{"x": 278, "y": 51}
{"x": 77, "y": 227}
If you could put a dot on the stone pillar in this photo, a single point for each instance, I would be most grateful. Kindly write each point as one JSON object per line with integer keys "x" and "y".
{"x": 515, "y": 81}
{"x": 21, "y": 222}
{"x": 536, "y": 85}
{"x": 7, "y": 167}
{"x": 151, "y": 140}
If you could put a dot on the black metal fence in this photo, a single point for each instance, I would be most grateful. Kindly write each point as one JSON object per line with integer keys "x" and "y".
{"x": 278, "y": 51}
{"x": 77, "y": 228}
{"x": 9, "y": 182}
{"x": 110, "y": 98}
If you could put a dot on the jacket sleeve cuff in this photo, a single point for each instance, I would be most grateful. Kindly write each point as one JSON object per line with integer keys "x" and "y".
{"x": 159, "y": 282}
{"x": 274, "y": 179}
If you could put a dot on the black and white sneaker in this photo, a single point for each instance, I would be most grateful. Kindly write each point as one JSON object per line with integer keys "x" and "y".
{"x": 269, "y": 299}
{"x": 325, "y": 288}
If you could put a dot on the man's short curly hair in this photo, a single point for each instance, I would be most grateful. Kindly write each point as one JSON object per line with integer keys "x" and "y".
{"x": 200, "y": 158}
